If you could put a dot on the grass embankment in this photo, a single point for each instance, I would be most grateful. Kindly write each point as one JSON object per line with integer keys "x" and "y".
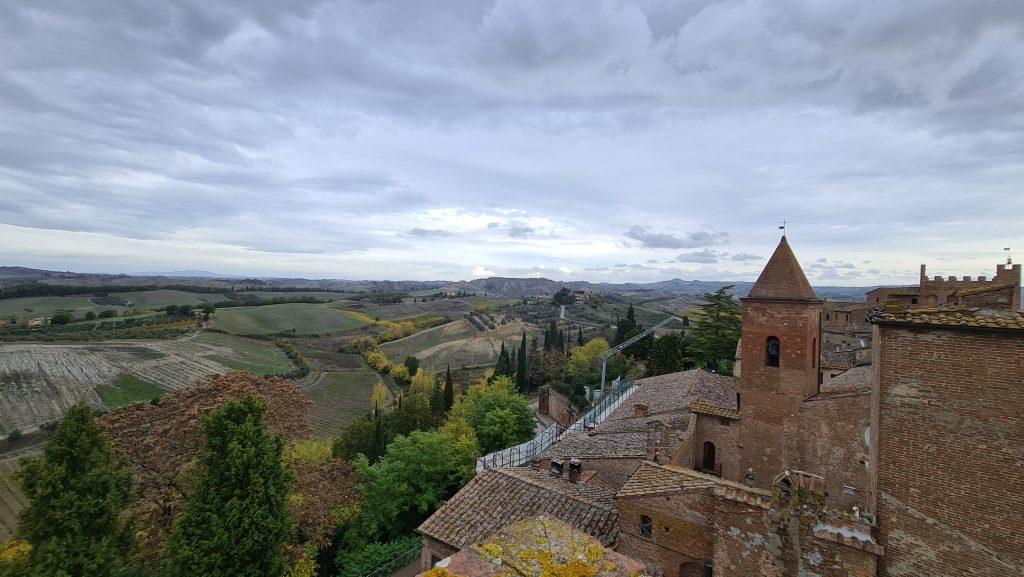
{"x": 125, "y": 390}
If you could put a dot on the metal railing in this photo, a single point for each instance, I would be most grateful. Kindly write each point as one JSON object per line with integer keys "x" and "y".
{"x": 608, "y": 402}
{"x": 522, "y": 453}
{"x": 391, "y": 567}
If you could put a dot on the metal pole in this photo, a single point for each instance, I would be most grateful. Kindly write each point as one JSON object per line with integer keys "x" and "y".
{"x": 604, "y": 367}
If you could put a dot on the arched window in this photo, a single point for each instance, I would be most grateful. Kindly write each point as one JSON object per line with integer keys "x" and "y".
{"x": 772, "y": 351}
{"x": 646, "y": 526}
{"x": 708, "y": 462}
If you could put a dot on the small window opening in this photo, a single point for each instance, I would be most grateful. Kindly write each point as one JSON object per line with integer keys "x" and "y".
{"x": 646, "y": 526}
{"x": 828, "y": 317}
{"x": 772, "y": 352}
{"x": 708, "y": 462}
{"x": 913, "y": 301}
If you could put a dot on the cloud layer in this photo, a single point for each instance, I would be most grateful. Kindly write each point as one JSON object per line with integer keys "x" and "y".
{"x": 421, "y": 140}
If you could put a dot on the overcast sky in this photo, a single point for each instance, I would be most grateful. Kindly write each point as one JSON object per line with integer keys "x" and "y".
{"x": 451, "y": 140}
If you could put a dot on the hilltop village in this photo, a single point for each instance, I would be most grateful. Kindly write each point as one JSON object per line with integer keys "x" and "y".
{"x": 851, "y": 440}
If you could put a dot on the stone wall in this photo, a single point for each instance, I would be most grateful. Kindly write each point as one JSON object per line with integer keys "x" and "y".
{"x": 949, "y": 443}
{"x": 681, "y": 531}
{"x": 433, "y": 551}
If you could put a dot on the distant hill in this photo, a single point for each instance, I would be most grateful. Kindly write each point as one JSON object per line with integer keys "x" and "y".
{"x": 497, "y": 286}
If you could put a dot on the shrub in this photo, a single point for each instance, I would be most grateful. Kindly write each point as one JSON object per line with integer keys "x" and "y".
{"x": 373, "y": 555}
{"x": 14, "y": 435}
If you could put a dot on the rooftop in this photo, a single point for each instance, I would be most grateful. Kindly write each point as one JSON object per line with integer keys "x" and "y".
{"x": 654, "y": 479}
{"x": 536, "y": 547}
{"x": 496, "y": 498}
{"x": 782, "y": 277}
{"x": 855, "y": 379}
{"x": 951, "y": 317}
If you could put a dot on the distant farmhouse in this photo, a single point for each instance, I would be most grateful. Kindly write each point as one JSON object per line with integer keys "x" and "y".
{"x": 853, "y": 440}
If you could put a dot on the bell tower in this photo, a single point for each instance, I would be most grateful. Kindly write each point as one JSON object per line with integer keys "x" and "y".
{"x": 780, "y": 350}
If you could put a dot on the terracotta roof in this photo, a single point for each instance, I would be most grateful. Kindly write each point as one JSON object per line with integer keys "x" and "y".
{"x": 536, "y": 547}
{"x": 838, "y": 359}
{"x": 496, "y": 498}
{"x": 854, "y": 379}
{"x": 951, "y": 317}
{"x": 706, "y": 409}
{"x": 654, "y": 478}
{"x": 608, "y": 444}
{"x": 907, "y": 291}
{"x": 673, "y": 393}
{"x": 782, "y": 277}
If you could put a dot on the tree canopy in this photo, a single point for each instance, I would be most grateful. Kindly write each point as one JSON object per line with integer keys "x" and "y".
{"x": 512, "y": 420}
{"x": 717, "y": 331}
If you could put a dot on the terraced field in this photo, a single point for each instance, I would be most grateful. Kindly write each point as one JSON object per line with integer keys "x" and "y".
{"x": 340, "y": 397}
{"x": 304, "y": 319}
{"x": 451, "y": 307}
{"x": 322, "y": 295}
{"x": 38, "y": 382}
{"x": 457, "y": 343}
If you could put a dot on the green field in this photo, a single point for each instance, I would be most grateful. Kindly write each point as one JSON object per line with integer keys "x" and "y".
{"x": 32, "y": 307}
{"x": 340, "y": 397}
{"x": 161, "y": 298}
{"x": 322, "y": 295}
{"x": 241, "y": 354}
{"x": 125, "y": 390}
{"x": 303, "y": 319}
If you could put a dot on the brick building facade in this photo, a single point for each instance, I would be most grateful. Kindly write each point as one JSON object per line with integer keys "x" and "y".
{"x": 936, "y": 290}
{"x": 949, "y": 442}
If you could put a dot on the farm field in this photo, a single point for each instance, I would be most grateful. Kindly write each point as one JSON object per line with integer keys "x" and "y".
{"x": 323, "y": 295}
{"x": 241, "y": 354}
{"x": 340, "y": 397}
{"x": 125, "y": 390}
{"x": 33, "y": 307}
{"x": 161, "y": 298}
{"x": 38, "y": 382}
{"x": 457, "y": 343}
{"x": 270, "y": 319}
{"x": 451, "y": 307}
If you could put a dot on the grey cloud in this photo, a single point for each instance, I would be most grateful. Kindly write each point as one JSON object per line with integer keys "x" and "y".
{"x": 696, "y": 239}
{"x": 429, "y": 232}
{"x": 702, "y": 256}
{"x": 745, "y": 257}
{"x": 519, "y": 231}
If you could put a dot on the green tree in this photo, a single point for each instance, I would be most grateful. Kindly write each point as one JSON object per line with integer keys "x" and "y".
{"x": 437, "y": 400}
{"x": 412, "y": 364}
{"x": 521, "y": 369}
{"x": 586, "y": 358}
{"x": 715, "y": 335}
{"x": 61, "y": 319}
{"x": 669, "y": 355}
{"x": 449, "y": 390}
{"x": 77, "y": 492}
{"x": 90, "y": 315}
{"x": 415, "y": 477}
{"x": 108, "y": 313}
{"x": 368, "y": 436}
{"x": 411, "y": 413}
{"x": 579, "y": 337}
{"x": 498, "y": 395}
{"x": 236, "y": 522}
{"x": 624, "y": 326}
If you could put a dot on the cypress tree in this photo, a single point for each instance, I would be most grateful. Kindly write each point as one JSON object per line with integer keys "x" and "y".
{"x": 579, "y": 337}
{"x": 501, "y": 367}
{"x": 521, "y": 366}
{"x": 437, "y": 399}
{"x": 76, "y": 493}
{"x": 237, "y": 521}
{"x": 449, "y": 389}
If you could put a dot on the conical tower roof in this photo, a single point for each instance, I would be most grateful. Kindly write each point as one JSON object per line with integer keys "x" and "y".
{"x": 782, "y": 277}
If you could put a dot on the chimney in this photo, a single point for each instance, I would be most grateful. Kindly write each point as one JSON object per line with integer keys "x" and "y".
{"x": 640, "y": 410}
{"x": 575, "y": 470}
{"x": 556, "y": 467}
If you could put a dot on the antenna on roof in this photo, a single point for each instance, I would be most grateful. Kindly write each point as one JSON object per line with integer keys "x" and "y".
{"x": 1009, "y": 257}
{"x": 782, "y": 227}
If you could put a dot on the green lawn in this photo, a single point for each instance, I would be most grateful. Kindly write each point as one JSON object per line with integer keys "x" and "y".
{"x": 33, "y": 307}
{"x": 303, "y": 319}
{"x": 241, "y": 354}
{"x": 125, "y": 390}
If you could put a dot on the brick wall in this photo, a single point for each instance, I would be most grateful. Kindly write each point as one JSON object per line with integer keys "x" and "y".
{"x": 681, "y": 532}
{"x": 433, "y": 551}
{"x": 724, "y": 433}
{"x": 772, "y": 397}
{"x": 833, "y": 434}
{"x": 948, "y": 448}
{"x": 940, "y": 290}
